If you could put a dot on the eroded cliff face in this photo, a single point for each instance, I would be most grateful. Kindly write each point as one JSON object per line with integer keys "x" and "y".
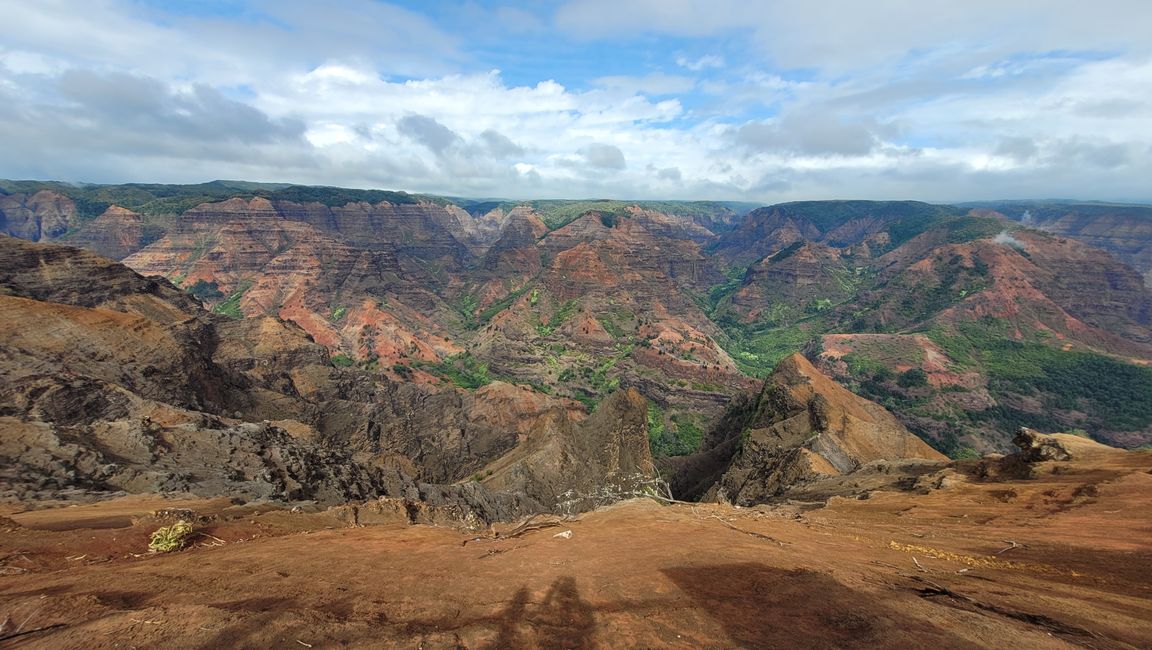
{"x": 572, "y": 466}
{"x": 427, "y": 231}
{"x": 1125, "y": 231}
{"x": 608, "y": 309}
{"x": 802, "y": 428}
{"x": 247, "y": 256}
{"x": 1033, "y": 281}
{"x": 116, "y": 233}
{"x": 802, "y": 276}
{"x": 40, "y": 216}
{"x": 110, "y": 381}
{"x": 416, "y": 290}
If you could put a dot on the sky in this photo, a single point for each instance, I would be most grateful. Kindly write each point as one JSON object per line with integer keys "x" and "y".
{"x": 761, "y": 101}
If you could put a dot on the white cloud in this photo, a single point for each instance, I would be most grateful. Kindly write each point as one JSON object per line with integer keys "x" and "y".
{"x": 967, "y": 104}
{"x": 702, "y": 63}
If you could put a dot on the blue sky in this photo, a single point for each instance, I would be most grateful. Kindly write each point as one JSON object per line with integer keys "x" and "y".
{"x": 720, "y": 99}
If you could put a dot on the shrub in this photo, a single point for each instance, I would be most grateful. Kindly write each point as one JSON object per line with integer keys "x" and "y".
{"x": 912, "y": 377}
{"x": 170, "y": 538}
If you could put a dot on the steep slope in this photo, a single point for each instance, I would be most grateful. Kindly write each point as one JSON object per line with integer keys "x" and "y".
{"x": 1125, "y": 231}
{"x": 110, "y": 381}
{"x": 976, "y": 333}
{"x": 610, "y": 310}
{"x": 954, "y": 322}
{"x": 248, "y": 259}
{"x": 579, "y": 466}
{"x": 41, "y": 215}
{"x": 767, "y": 230}
{"x": 803, "y": 427}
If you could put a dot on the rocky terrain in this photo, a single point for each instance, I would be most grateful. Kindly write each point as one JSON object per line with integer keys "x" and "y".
{"x": 113, "y": 382}
{"x": 117, "y": 383}
{"x": 443, "y": 391}
{"x": 686, "y": 303}
{"x": 1122, "y": 230}
{"x": 1043, "y": 549}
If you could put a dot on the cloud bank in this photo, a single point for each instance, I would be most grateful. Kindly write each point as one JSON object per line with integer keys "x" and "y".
{"x": 588, "y": 98}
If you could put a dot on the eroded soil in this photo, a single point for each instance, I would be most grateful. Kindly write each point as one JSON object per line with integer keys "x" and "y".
{"x": 1060, "y": 560}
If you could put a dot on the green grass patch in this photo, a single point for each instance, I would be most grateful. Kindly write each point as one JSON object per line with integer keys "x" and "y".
{"x": 230, "y": 307}
{"x": 464, "y": 370}
{"x": 559, "y": 317}
{"x": 342, "y": 360}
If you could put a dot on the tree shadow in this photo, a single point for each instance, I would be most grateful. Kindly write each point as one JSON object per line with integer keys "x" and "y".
{"x": 765, "y": 607}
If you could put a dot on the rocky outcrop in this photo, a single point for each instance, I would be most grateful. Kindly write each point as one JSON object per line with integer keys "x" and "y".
{"x": 423, "y": 230}
{"x": 41, "y": 216}
{"x": 806, "y": 427}
{"x": 571, "y": 467}
{"x": 1036, "y": 447}
{"x": 56, "y": 274}
{"x": 1125, "y": 231}
{"x": 178, "y": 451}
{"x": 468, "y": 505}
{"x": 115, "y": 234}
{"x": 765, "y": 231}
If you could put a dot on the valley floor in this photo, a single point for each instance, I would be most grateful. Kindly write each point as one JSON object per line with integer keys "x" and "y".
{"x": 1061, "y": 560}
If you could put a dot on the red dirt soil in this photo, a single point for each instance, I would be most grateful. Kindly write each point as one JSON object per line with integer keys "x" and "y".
{"x": 1060, "y": 560}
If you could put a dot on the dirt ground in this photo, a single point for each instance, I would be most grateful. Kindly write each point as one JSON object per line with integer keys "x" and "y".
{"x": 1060, "y": 560}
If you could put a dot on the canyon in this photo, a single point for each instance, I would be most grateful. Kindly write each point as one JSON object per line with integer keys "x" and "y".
{"x": 325, "y": 371}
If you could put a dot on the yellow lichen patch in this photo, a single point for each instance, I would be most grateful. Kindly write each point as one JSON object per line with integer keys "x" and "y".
{"x": 978, "y": 561}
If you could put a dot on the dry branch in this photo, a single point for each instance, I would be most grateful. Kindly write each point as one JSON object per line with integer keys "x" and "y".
{"x": 749, "y": 532}
{"x": 33, "y": 631}
{"x": 1013, "y": 545}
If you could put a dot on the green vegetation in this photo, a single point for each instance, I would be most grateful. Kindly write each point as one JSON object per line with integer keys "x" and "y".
{"x": 338, "y": 196}
{"x": 500, "y": 305}
{"x": 958, "y": 228}
{"x": 467, "y": 309}
{"x": 464, "y": 370}
{"x": 656, "y": 429}
{"x": 559, "y": 213}
{"x": 561, "y": 315}
{"x": 156, "y": 199}
{"x": 205, "y": 291}
{"x": 912, "y": 378}
{"x": 681, "y": 438}
{"x": 733, "y": 280}
{"x": 1115, "y": 395}
{"x": 337, "y": 313}
{"x": 342, "y": 360}
{"x": 758, "y": 347}
{"x": 1032, "y": 382}
{"x": 231, "y": 306}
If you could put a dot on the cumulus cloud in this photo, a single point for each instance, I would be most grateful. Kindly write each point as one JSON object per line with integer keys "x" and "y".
{"x": 122, "y": 101}
{"x": 603, "y": 156}
{"x": 428, "y": 132}
{"x": 808, "y": 134}
{"x": 499, "y": 145}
